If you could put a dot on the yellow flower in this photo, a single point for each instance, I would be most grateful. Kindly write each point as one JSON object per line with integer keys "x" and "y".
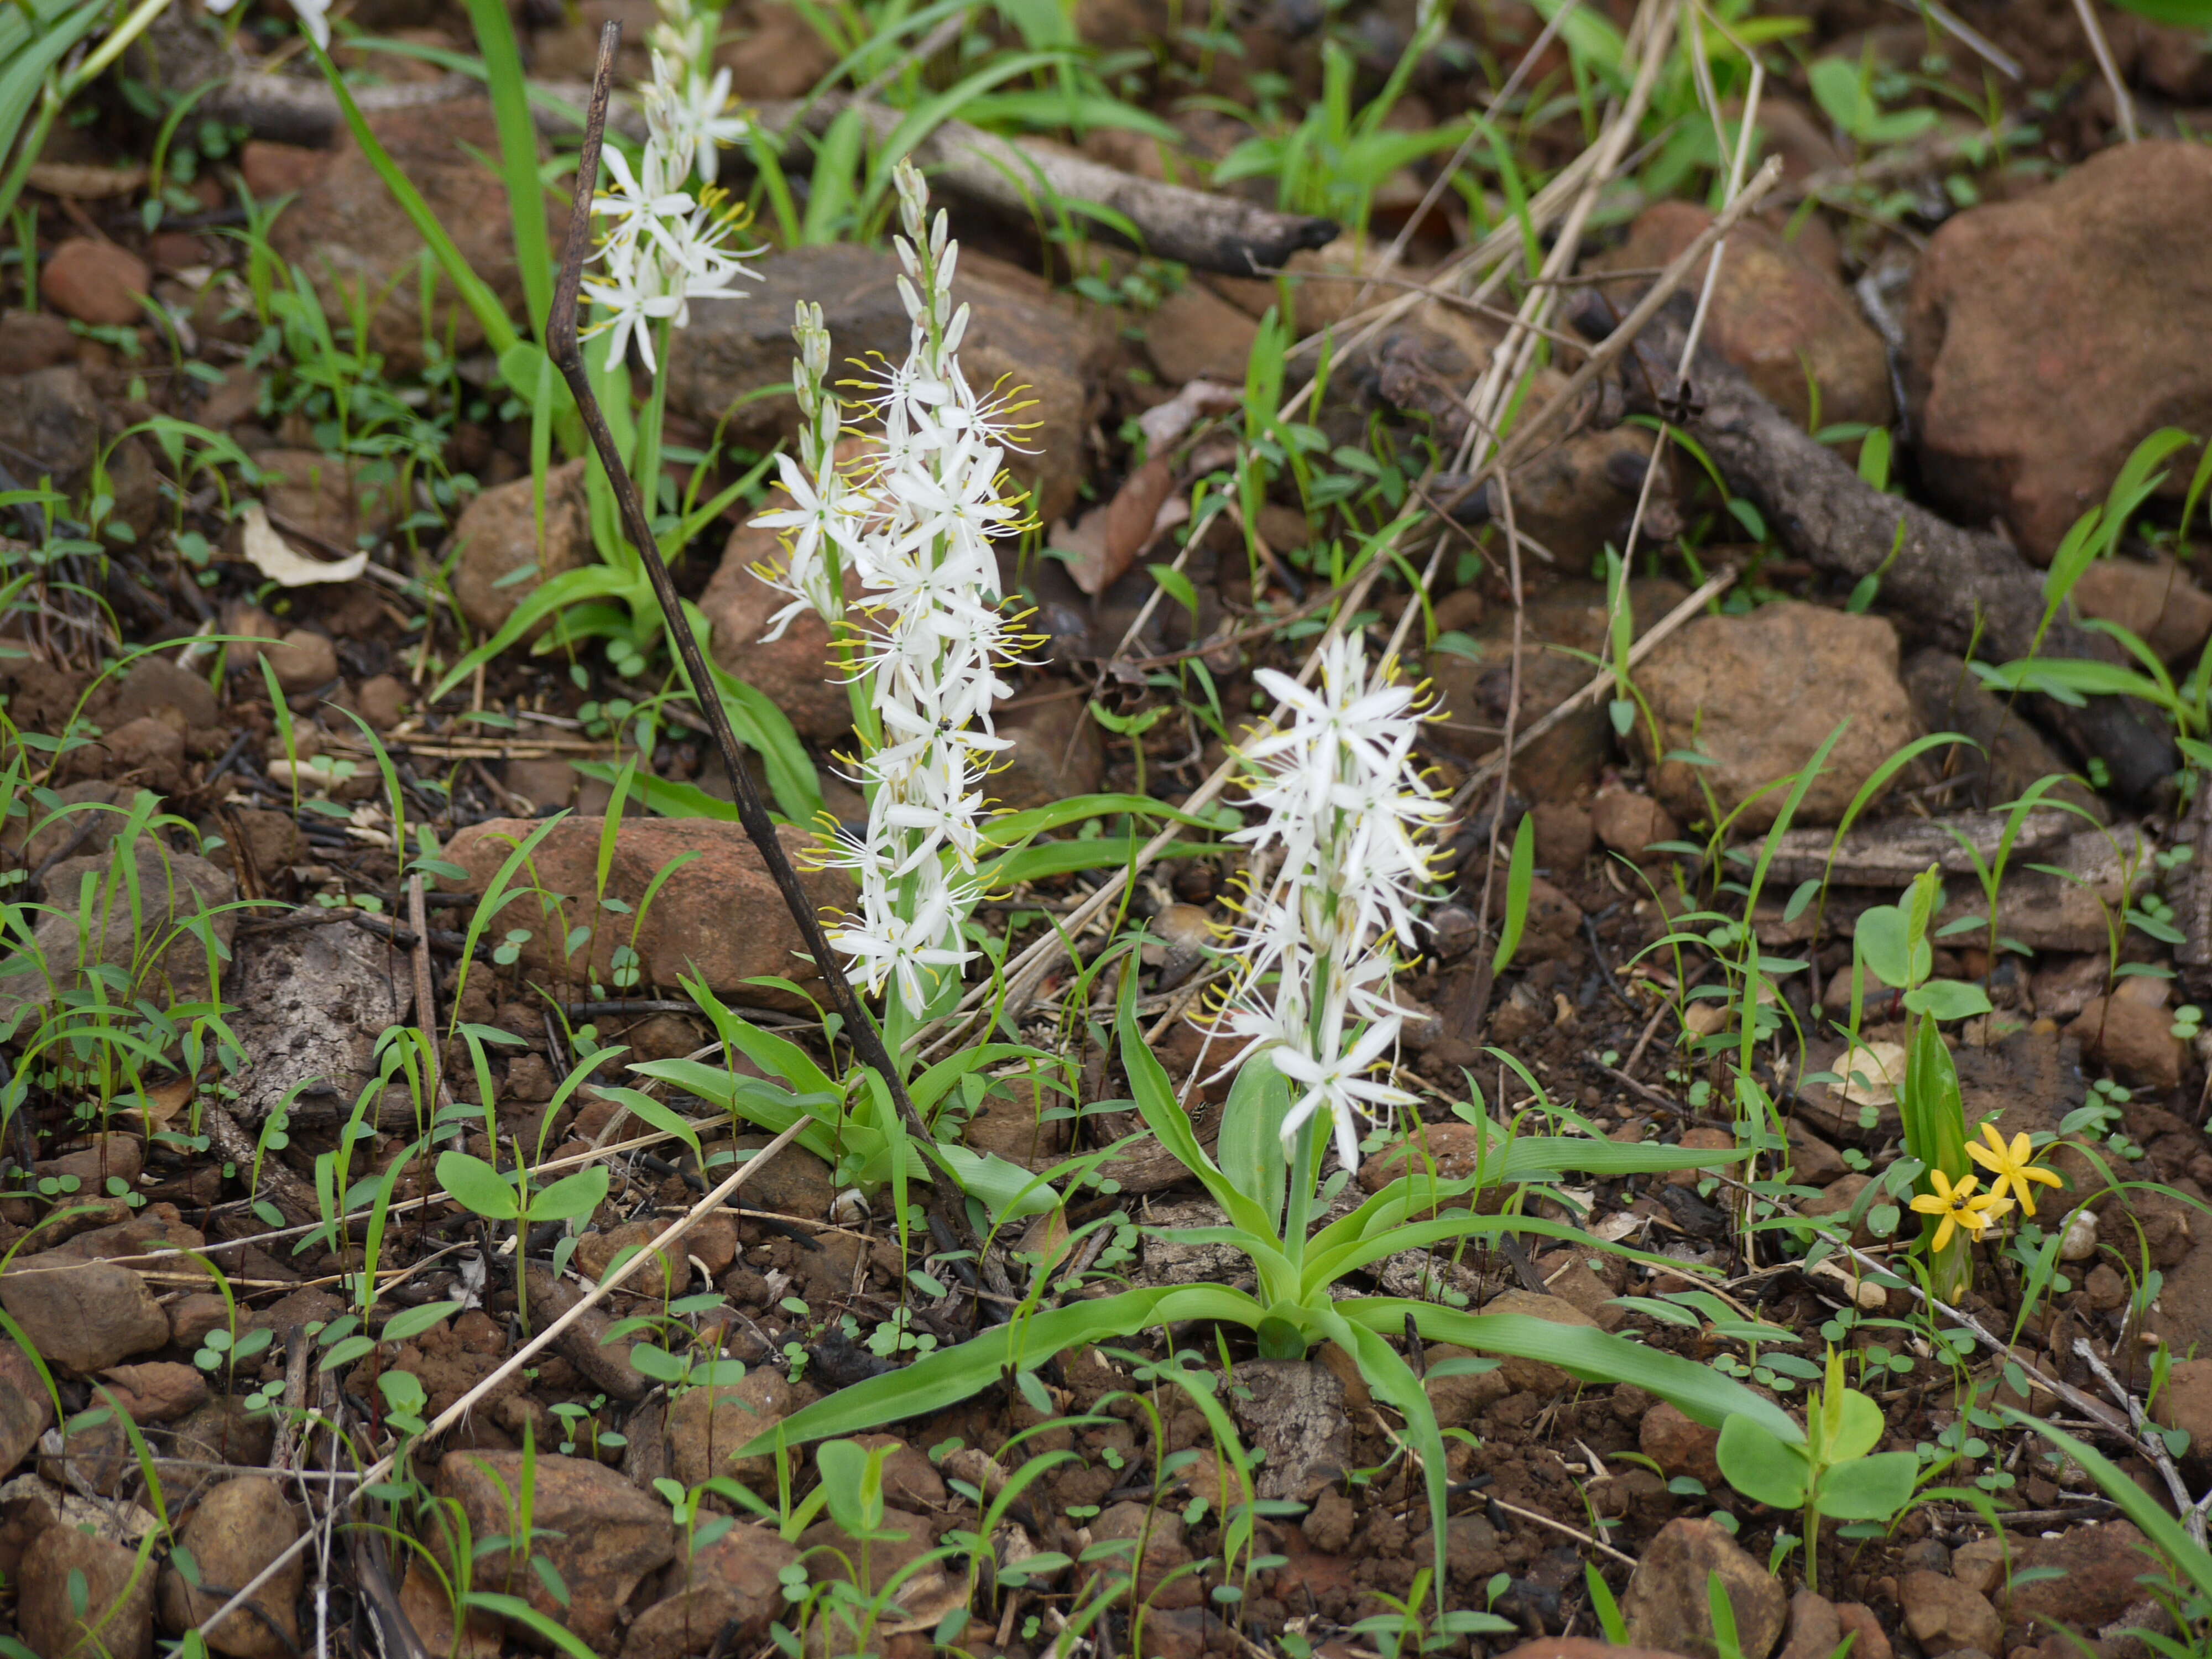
{"x": 1960, "y": 1208}
{"x": 2013, "y": 1166}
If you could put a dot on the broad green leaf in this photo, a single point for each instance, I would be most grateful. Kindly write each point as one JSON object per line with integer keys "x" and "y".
{"x": 572, "y": 1196}
{"x": 1946, "y": 998}
{"x": 413, "y": 1321}
{"x": 1763, "y": 1468}
{"x": 1005, "y": 1189}
{"x": 1868, "y": 1488}
{"x": 1861, "y": 1430}
{"x": 1880, "y": 937}
{"x": 1164, "y": 1115}
{"x": 475, "y": 1184}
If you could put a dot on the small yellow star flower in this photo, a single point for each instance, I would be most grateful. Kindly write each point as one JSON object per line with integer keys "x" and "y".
{"x": 2013, "y": 1166}
{"x": 1959, "y": 1208}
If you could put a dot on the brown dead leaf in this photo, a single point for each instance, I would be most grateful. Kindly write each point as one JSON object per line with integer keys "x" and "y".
{"x": 1128, "y": 525}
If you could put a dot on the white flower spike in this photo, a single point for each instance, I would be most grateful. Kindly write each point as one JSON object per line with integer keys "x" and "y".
{"x": 1337, "y": 803}
{"x": 911, "y": 522}
{"x": 664, "y": 242}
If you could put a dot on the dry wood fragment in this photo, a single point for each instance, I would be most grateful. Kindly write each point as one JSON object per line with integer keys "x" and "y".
{"x": 1891, "y": 854}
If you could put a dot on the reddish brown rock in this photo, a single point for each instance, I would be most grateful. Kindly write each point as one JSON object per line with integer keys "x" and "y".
{"x": 1777, "y": 313}
{"x": 32, "y": 340}
{"x": 502, "y": 557}
{"x": 718, "y": 915}
{"x": 601, "y": 1533}
{"x": 239, "y": 1528}
{"x": 1628, "y": 822}
{"x": 83, "y": 1597}
{"x": 2047, "y": 336}
{"x": 1680, "y": 1444}
{"x": 1945, "y": 1616}
{"x": 2094, "y": 1572}
{"x": 84, "y": 1315}
{"x": 356, "y": 244}
{"x": 2155, "y": 599}
{"x": 158, "y": 1391}
{"x": 1668, "y": 1604}
{"x": 96, "y": 282}
{"x": 271, "y": 170}
{"x": 706, "y": 1425}
{"x": 27, "y": 1409}
{"x": 781, "y": 55}
{"x": 1759, "y": 694}
{"x": 733, "y": 1583}
{"x": 2134, "y": 1039}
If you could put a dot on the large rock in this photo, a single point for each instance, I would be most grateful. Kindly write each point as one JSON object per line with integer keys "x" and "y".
{"x": 2046, "y": 336}
{"x": 707, "y": 1425}
{"x": 718, "y": 915}
{"x": 732, "y": 1584}
{"x": 1196, "y": 334}
{"x": 1293, "y": 1410}
{"x": 1759, "y": 695}
{"x": 50, "y": 420}
{"x": 2088, "y": 1578}
{"x": 1015, "y": 339}
{"x": 239, "y": 1529}
{"x": 81, "y": 1314}
{"x": 502, "y": 557}
{"x": 26, "y": 1410}
{"x": 793, "y": 671}
{"x": 1537, "y": 1375}
{"x": 332, "y": 495}
{"x": 82, "y": 1597}
{"x": 1057, "y": 751}
{"x": 96, "y": 281}
{"x": 357, "y": 245}
{"x": 1945, "y": 1616}
{"x": 1777, "y": 313}
{"x": 2134, "y": 1038}
{"x": 601, "y": 1533}
{"x": 179, "y": 895}
{"x": 2155, "y": 599}
{"x": 1667, "y": 1605}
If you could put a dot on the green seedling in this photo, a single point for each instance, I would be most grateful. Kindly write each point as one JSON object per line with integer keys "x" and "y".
{"x": 1834, "y": 1471}
{"x": 500, "y": 1196}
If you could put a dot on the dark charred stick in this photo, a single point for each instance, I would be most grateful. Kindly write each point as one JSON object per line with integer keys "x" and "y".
{"x": 567, "y": 352}
{"x": 1943, "y": 580}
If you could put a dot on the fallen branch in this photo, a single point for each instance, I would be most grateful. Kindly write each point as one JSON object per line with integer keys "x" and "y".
{"x": 1020, "y": 180}
{"x": 1961, "y": 588}
{"x": 1017, "y": 179}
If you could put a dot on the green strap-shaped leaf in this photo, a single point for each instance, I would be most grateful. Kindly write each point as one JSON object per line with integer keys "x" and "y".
{"x": 1594, "y": 1355}
{"x": 950, "y": 1375}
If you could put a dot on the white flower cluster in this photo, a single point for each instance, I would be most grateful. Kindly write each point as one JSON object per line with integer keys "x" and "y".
{"x": 664, "y": 243}
{"x": 910, "y": 525}
{"x": 1342, "y": 801}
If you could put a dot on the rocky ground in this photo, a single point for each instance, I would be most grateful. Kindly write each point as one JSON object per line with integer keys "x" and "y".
{"x": 2013, "y": 291}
